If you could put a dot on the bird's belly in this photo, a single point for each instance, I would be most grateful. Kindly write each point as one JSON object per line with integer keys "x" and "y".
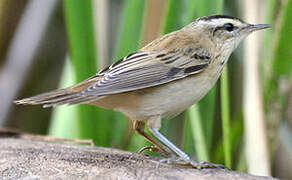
{"x": 163, "y": 101}
{"x": 174, "y": 98}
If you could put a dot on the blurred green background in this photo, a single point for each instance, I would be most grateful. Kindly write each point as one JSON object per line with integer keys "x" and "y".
{"x": 244, "y": 122}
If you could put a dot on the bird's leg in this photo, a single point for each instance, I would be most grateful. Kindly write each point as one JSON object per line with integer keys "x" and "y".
{"x": 183, "y": 159}
{"x": 158, "y": 148}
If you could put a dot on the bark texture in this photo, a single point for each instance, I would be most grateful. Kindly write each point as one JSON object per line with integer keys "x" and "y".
{"x": 36, "y": 157}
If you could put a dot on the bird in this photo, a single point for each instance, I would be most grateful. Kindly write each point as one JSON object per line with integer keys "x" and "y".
{"x": 162, "y": 79}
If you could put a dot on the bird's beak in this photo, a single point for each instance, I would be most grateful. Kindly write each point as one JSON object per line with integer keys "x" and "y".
{"x": 255, "y": 27}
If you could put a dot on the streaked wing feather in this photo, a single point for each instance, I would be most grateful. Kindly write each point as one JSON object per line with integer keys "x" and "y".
{"x": 147, "y": 69}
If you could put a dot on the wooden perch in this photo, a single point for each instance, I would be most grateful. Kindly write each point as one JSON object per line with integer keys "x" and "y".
{"x": 34, "y": 157}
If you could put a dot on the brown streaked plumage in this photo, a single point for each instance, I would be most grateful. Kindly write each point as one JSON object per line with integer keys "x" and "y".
{"x": 161, "y": 79}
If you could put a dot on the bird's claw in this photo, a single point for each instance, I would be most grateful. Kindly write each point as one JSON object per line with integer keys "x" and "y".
{"x": 192, "y": 163}
{"x": 205, "y": 165}
{"x": 154, "y": 149}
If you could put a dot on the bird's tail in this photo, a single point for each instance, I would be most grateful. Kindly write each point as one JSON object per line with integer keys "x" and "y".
{"x": 53, "y": 98}
{"x": 70, "y": 96}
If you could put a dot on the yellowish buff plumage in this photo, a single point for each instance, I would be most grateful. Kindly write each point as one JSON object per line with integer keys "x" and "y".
{"x": 161, "y": 79}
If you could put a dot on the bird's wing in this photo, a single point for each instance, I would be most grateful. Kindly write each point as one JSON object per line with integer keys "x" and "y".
{"x": 147, "y": 69}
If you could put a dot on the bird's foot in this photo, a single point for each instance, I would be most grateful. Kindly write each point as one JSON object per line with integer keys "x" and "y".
{"x": 205, "y": 165}
{"x": 154, "y": 149}
{"x": 191, "y": 163}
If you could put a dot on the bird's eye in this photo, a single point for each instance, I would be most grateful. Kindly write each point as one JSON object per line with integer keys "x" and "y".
{"x": 228, "y": 27}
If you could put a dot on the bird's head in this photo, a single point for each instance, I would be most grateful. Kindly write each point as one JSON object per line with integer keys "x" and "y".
{"x": 226, "y": 31}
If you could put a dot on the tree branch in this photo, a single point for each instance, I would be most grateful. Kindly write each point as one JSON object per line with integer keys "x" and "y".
{"x": 25, "y": 156}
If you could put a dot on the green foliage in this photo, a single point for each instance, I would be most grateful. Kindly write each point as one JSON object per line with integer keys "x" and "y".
{"x": 225, "y": 117}
{"x": 79, "y": 25}
{"x": 130, "y": 28}
{"x": 173, "y": 16}
{"x": 282, "y": 63}
{"x": 88, "y": 122}
{"x": 197, "y": 130}
{"x": 65, "y": 121}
